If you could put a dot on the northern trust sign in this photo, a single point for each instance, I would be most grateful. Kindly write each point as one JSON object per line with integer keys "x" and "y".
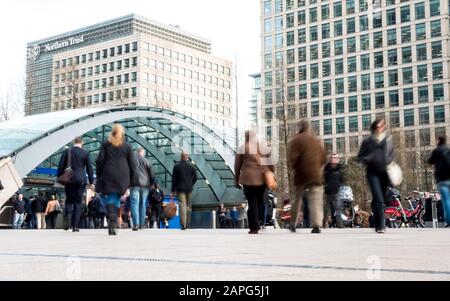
{"x": 35, "y": 51}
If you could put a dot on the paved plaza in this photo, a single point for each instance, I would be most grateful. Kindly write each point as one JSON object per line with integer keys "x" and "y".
{"x": 225, "y": 255}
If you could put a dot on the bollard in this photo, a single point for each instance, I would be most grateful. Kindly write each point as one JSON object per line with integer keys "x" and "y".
{"x": 434, "y": 213}
{"x": 213, "y": 216}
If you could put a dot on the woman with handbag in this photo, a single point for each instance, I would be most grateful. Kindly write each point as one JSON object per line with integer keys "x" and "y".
{"x": 377, "y": 154}
{"x": 51, "y": 212}
{"x": 254, "y": 173}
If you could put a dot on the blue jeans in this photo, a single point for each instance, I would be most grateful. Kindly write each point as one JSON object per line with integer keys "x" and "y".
{"x": 18, "y": 220}
{"x": 138, "y": 197}
{"x": 444, "y": 189}
{"x": 112, "y": 199}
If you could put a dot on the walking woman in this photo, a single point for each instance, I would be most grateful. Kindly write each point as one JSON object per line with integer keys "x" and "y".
{"x": 249, "y": 170}
{"x": 376, "y": 153}
{"x": 51, "y": 212}
{"x": 116, "y": 172}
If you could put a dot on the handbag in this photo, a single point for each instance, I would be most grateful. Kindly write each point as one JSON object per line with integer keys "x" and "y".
{"x": 269, "y": 180}
{"x": 58, "y": 208}
{"x": 170, "y": 210}
{"x": 393, "y": 170}
{"x": 66, "y": 177}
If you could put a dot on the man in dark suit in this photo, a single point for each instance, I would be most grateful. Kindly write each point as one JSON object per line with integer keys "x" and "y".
{"x": 184, "y": 177}
{"x": 80, "y": 164}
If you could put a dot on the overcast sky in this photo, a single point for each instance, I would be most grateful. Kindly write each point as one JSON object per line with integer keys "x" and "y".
{"x": 232, "y": 26}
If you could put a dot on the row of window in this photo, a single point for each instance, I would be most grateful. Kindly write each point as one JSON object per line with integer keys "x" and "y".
{"x": 186, "y": 101}
{"x": 175, "y": 55}
{"x": 351, "y": 7}
{"x": 168, "y": 68}
{"x": 379, "y": 18}
{"x": 353, "y": 124}
{"x": 97, "y": 55}
{"x": 380, "y": 39}
{"x": 379, "y": 59}
{"x": 102, "y": 97}
{"x": 381, "y": 79}
{"x": 366, "y": 83}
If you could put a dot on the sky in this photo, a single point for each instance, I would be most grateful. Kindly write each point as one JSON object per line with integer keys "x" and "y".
{"x": 233, "y": 27}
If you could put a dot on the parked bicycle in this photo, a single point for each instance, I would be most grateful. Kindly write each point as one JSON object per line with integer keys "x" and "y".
{"x": 397, "y": 216}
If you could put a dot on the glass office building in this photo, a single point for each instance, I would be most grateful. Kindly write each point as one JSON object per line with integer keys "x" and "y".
{"x": 130, "y": 61}
{"x": 341, "y": 64}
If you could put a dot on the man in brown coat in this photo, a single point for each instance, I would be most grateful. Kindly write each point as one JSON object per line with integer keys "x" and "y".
{"x": 306, "y": 159}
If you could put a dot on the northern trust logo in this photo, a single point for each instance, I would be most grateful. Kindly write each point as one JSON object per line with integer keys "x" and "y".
{"x": 35, "y": 50}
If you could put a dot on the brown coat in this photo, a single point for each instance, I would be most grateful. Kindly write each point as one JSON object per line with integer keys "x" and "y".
{"x": 248, "y": 165}
{"x": 306, "y": 157}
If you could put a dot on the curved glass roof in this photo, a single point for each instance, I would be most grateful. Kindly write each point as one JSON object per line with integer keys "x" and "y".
{"x": 18, "y": 132}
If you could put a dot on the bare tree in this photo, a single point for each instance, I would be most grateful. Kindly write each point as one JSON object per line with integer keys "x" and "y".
{"x": 11, "y": 103}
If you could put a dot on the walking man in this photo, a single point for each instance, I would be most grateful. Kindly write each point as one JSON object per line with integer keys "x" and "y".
{"x": 139, "y": 194}
{"x": 80, "y": 163}
{"x": 306, "y": 159}
{"x": 333, "y": 181}
{"x": 19, "y": 212}
{"x": 184, "y": 177}
{"x": 440, "y": 158}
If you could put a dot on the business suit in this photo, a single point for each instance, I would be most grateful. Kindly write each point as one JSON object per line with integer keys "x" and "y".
{"x": 80, "y": 164}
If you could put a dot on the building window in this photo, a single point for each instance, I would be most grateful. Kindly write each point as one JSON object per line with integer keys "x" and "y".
{"x": 421, "y": 31}
{"x": 315, "y": 109}
{"x": 394, "y": 119}
{"x": 393, "y": 99}
{"x": 340, "y": 145}
{"x": 302, "y": 54}
{"x": 364, "y": 42}
{"x": 301, "y": 17}
{"x": 337, "y": 9}
{"x": 303, "y": 91}
{"x": 313, "y": 15}
{"x": 339, "y": 86}
{"x": 337, "y": 28}
{"x": 425, "y": 137}
{"x": 424, "y": 116}
{"x": 420, "y": 11}
{"x": 315, "y": 90}
{"x": 379, "y": 101}
{"x": 410, "y": 138}
{"x": 423, "y": 94}
{"x": 365, "y": 82}
{"x": 338, "y": 47}
{"x": 325, "y": 12}
{"x": 378, "y": 58}
{"x": 435, "y": 9}
{"x": 327, "y": 88}
{"x": 405, "y": 13}
{"x": 326, "y": 50}
{"x": 365, "y": 62}
{"x": 406, "y": 55}
{"x": 408, "y": 97}
{"x": 326, "y": 69}
{"x": 353, "y": 124}
{"x": 379, "y": 80}
{"x": 391, "y": 17}
{"x": 339, "y": 67}
{"x": 438, "y": 92}
{"x": 392, "y": 36}
{"x": 350, "y": 7}
{"x": 351, "y": 45}
{"x": 314, "y": 71}
{"x": 354, "y": 144}
{"x": 302, "y": 72}
{"x": 366, "y": 122}
{"x": 325, "y": 31}
{"x": 436, "y": 28}
{"x": 327, "y": 107}
{"x": 407, "y": 76}
{"x": 378, "y": 39}
{"x": 314, "y": 52}
{"x": 327, "y": 127}
{"x": 353, "y": 104}
{"x": 406, "y": 34}
{"x": 350, "y": 25}
{"x": 437, "y": 71}
{"x": 422, "y": 73}
{"x": 393, "y": 78}
{"x": 436, "y": 49}
{"x": 439, "y": 114}
{"x": 421, "y": 52}
{"x": 409, "y": 117}
{"x": 340, "y": 125}
{"x": 366, "y": 102}
{"x": 340, "y": 106}
{"x": 363, "y": 23}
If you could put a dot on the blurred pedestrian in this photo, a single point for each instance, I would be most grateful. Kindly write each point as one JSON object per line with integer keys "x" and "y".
{"x": 52, "y": 212}
{"x": 77, "y": 160}
{"x": 440, "y": 158}
{"x": 306, "y": 159}
{"x": 334, "y": 179}
{"x": 376, "y": 153}
{"x": 139, "y": 194}
{"x": 234, "y": 217}
{"x": 250, "y": 168}
{"x": 19, "y": 212}
{"x": 39, "y": 206}
{"x": 116, "y": 172}
{"x": 184, "y": 177}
